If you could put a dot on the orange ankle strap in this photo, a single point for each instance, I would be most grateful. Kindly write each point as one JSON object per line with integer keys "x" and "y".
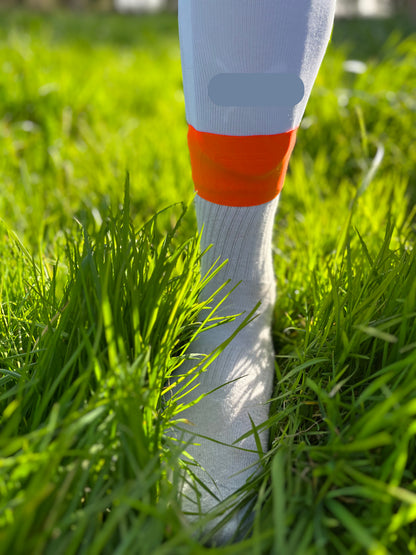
{"x": 239, "y": 170}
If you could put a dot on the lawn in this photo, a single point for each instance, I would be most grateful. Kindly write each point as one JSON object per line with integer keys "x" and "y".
{"x": 99, "y": 289}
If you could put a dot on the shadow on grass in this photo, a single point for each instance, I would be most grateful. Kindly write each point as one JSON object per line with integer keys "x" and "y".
{"x": 100, "y": 28}
{"x": 364, "y": 38}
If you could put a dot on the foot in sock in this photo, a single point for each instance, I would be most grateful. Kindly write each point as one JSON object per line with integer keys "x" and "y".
{"x": 243, "y": 371}
{"x": 240, "y": 139}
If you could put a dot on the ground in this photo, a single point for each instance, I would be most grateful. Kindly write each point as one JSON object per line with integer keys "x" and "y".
{"x": 98, "y": 306}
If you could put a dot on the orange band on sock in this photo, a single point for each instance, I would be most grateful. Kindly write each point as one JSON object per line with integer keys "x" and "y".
{"x": 239, "y": 171}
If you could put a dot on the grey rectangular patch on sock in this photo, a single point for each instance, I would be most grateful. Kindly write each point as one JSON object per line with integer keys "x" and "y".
{"x": 256, "y": 89}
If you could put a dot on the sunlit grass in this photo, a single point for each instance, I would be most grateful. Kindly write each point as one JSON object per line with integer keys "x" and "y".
{"x": 98, "y": 307}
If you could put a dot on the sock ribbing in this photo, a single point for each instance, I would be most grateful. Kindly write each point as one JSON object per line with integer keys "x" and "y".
{"x": 241, "y": 235}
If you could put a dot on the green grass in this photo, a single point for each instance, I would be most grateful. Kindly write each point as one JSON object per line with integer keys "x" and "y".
{"x": 99, "y": 296}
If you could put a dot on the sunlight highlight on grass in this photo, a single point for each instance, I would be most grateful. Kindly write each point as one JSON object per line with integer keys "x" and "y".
{"x": 99, "y": 286}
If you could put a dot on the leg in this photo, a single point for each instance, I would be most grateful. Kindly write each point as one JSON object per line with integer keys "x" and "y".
{"x": 248, "y": 70}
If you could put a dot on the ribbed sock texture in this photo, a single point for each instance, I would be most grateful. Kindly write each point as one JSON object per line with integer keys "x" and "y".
{"x": 243, "y": 236}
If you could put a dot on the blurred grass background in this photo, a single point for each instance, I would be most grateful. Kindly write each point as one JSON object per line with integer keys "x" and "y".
{"x": 86, "y": 98}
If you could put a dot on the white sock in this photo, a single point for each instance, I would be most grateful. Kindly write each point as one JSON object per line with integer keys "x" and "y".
{"x": 239, "y": 150}
{"x": 243, "y": 236}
